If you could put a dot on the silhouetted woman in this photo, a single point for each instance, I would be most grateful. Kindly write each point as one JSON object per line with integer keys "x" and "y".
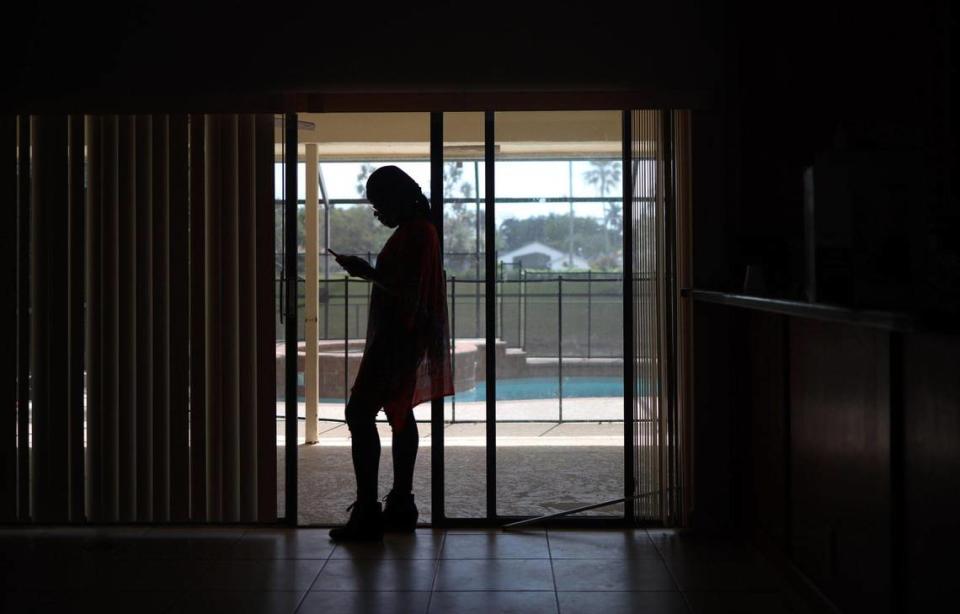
{"x": 406, "y": 359}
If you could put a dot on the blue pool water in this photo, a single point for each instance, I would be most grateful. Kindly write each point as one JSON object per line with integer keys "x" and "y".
{"x": 534, "y": 388}
{"x": 546, "y": 388}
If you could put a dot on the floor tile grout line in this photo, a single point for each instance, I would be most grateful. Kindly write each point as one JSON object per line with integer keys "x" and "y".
{"x": 244, "y": 591}
{"x": 368, "y": 590}
{"x": 683, "y": 594}
{"x": 315, "y": 578}
{"x": 505, "y": 558}
{"x": 320, "y": 571}
{"x": 621, "y": 590}
{"x": 553, "y": 574}
{"x": 483, "y": 590}
{"x": 436, "y": 571}
{"x": 433, "y": 558}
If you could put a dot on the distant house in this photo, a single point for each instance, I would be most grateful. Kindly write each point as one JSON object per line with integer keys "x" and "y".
{"x": 536, "y": 255}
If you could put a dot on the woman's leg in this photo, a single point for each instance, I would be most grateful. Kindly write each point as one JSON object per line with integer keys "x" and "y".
{"x": 361, "y": 417}
{"x": 405, "y": 444}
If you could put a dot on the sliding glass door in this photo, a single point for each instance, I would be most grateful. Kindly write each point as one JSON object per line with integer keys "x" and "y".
{"x": 533, "y": 250}
{"x": 559, "y": 300}
{"x": 559, "y": 403}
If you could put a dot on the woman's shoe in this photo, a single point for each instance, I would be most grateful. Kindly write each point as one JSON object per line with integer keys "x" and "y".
{"x": 365, "y": 524}
{"x": 400, "y": 513}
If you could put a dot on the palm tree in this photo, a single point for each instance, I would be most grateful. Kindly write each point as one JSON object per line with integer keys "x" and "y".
{"x": 605, "y": 174}
{"x": 365, "y": 171}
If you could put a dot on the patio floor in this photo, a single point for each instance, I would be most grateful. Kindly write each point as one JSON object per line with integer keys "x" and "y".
{"x": 542, "y": 467}
{"x": 543, "y": 410}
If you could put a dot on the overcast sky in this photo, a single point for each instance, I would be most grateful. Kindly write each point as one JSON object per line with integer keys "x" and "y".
{"x": 514, "y": 179}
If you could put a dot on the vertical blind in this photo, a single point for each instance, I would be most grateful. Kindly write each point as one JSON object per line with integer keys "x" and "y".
{"x": 139, "y": 379}
{"x": 660, "y": 195}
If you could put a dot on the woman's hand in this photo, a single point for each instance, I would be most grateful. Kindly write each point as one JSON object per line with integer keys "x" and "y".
{"x": 355, "y": 266}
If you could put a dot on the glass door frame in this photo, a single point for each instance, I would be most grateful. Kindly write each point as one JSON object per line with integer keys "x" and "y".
{"x": 289, "y": 307}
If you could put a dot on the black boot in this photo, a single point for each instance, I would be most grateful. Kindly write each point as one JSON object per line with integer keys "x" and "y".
{"x": 365, "y": 524}
{"x": 400, "y": 513}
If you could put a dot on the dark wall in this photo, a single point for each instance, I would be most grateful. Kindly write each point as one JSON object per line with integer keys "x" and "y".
{"x": 768, "y": 472}
{"x": 718, "y": 434}
{"x": 849, "y": 459}
{"x": 794, "y": 86}
{"x": 826, "y": 78}
{"x": 837, "y": 457}
{"x": 138, "y": 55}
{"x": 931, "y": 391}
{"x": 840, "y": 458}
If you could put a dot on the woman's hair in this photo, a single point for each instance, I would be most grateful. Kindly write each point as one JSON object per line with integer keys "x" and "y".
{"x": 395, "y": 190}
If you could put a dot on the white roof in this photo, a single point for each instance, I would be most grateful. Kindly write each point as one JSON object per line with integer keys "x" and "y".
{"x": 557, "y": 258}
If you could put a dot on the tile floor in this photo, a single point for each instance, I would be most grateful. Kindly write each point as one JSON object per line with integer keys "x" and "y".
{"x": 276, "y": 570}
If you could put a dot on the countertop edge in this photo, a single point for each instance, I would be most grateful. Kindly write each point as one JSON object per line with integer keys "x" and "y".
{"x": 888, "y": 320}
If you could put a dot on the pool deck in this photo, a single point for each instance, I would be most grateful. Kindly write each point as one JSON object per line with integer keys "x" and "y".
{"x": 599, "y": 421}
{"x": 473, "y": 434}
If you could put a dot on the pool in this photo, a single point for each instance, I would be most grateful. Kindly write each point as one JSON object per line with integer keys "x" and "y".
{"x": 545, "y": 388}
{"x": 520, "y": 388}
